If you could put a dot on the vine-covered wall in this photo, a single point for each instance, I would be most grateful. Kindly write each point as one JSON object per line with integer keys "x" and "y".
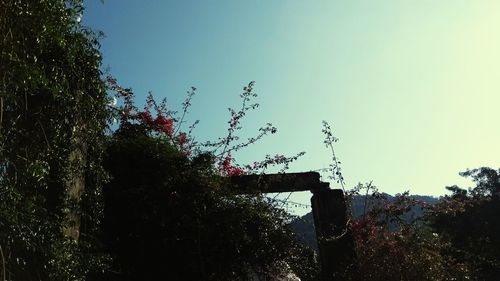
{"x": 52, "y": 106}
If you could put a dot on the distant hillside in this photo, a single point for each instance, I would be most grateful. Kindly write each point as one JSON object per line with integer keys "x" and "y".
{"x": 304, "y": 226}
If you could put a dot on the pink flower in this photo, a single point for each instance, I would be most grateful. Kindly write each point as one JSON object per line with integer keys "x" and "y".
{"x": 182, "y": 138}
{"x": 235, "y": 171}
{"x": 145, "y": 117}
{"x": 164, "y": 124}
{"x": 168, "y": 127}
{"x": 229, "y": 169}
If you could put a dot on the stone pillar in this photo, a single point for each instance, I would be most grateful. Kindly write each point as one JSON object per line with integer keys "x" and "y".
{"x": 335, "y": 241}
{"x": 75, "y": 187}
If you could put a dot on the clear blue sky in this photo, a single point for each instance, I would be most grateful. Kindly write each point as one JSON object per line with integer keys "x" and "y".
{"x": 411, "y": 88}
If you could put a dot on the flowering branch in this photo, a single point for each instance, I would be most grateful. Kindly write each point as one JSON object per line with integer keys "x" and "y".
{"x": 335, "y": 165}
{"x": 163, "y": 122}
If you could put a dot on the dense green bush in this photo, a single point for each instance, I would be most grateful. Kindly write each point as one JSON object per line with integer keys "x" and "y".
{"x": 469, "y": 220}
{"x": 170, "y": 210}
{"x": 52, "y": 121}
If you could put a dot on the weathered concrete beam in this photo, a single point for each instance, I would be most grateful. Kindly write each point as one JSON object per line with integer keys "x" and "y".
{"x": 270, "y": 183}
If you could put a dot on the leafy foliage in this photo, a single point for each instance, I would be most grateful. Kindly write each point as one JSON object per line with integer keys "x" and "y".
{"x": 469, "y": 220}
{"x": 394, "y": 244}
{"x": 52, "y": 104}
{"x": 455, "y": 239}
{"x": 170, "y": 210}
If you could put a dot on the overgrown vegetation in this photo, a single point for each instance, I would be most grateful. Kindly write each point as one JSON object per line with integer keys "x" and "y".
{"x": 469, "y": 221}
{"x": 404, "y": 238}
{"x": 52, "y": 122}
{"x": 80, "y": 202}
{"x": 170, "y": 210}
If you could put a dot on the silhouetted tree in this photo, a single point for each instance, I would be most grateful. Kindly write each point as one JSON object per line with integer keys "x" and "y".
{"x": 470, "y": 220}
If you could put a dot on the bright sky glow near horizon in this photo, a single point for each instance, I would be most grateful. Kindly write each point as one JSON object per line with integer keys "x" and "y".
{"x": 411, "y": 88}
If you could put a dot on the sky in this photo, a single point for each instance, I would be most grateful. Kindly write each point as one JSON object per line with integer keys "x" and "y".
{"x": 410, "y": 88}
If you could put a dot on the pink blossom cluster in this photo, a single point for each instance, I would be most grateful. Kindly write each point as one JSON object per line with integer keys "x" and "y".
{"x": 159, "y": 124}
{"x": 230, "y": 170}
